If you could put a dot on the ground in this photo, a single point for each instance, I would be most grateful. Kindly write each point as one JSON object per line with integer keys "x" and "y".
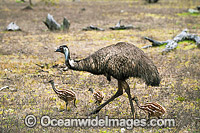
{"x": 29, "y": 93}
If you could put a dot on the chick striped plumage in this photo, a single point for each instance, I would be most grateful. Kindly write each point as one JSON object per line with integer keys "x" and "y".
{"x": 98, "y": 95}
{"x": 152, "y": 109}
{"x": 66, "y": 95}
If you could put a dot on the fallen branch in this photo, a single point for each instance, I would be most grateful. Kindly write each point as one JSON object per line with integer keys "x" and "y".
{"x": 172, "y": 44}
{"x": 122, "y": 27}
{"x": 91, "y": 27}
{"x": 118, "y": 26}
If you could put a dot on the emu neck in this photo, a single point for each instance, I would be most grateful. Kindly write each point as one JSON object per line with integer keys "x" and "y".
{"x": 78, "y": 65}
{"x": 66, "y": 58}
{"x": 70, "y": 63}
{"x": 66, "y": 53}
{"x": 54, "y": 88}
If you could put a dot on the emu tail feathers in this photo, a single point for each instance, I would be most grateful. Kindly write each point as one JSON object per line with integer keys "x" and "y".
{"x": 149, "y": 73}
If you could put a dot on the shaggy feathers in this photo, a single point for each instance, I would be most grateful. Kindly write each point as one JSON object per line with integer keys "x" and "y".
{"x": 121, "y": 61}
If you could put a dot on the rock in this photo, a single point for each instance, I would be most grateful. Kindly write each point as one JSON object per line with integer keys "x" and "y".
{"x": 13, "y": 27}
{"x": 66, "y": 24}
{"x": 51, "y": 23}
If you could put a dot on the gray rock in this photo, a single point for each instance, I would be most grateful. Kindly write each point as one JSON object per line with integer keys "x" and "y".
{"x": 66, "y": 24}
{"x": 51, "y": 23}
{"x": 12, "y": 27}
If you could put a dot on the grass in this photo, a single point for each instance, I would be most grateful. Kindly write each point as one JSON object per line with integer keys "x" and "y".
{"x": 189, "y": 14}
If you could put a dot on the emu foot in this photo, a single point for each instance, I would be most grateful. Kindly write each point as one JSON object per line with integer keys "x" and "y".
{"x": 95, "y": 111}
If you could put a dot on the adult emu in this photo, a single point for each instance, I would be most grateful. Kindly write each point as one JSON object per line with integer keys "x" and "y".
{"x": 121, "y": 61}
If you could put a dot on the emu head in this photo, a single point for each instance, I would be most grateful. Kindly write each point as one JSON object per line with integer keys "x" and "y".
{"x": 62, "y": 49}
{"x": 65, "y": 50}
{"x": 91, "y": 89}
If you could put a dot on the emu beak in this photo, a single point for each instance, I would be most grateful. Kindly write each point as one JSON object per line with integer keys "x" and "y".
{"x": 58, "y": 50}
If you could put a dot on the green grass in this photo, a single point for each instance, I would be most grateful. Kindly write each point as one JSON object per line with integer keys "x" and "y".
{"x": 188, "y": 14}
{"x": 187, "y": 42}
{"x": 181, "y": 99}
{"x": 19, "y": 1}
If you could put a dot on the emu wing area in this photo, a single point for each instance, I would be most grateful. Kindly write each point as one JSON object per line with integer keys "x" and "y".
{"x": 123, "y": 60}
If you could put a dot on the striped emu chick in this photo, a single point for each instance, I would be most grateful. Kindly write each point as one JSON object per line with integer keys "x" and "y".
{"x": 66, "y": 95}
{"x": 98, "y": 95}
{"x": 152, "y": 109}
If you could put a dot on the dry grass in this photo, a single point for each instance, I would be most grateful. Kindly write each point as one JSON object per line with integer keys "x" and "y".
{"x": 179, "y": 91}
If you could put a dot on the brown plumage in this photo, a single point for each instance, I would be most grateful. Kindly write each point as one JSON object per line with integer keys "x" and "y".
{"x": 98, "y": 95}
{"x": 121, "y": 61}
{"x": 152, "y": 109}
{"x": 66, "y": 95}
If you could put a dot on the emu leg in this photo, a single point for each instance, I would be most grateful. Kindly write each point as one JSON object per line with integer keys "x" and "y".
{"x": 127, "y": 90}
{"x": 66, "y": 105}
{"x": 117, "y": 94}
{"x": 148, "y": 118}
{"x": 75, "y": 103}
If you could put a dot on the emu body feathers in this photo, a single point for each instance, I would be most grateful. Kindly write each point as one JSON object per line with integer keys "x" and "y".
{"x": 121, "y": 61}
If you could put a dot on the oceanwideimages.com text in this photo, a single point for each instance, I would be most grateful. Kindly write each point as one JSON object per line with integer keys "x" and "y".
{"x": 46, "y": 121}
